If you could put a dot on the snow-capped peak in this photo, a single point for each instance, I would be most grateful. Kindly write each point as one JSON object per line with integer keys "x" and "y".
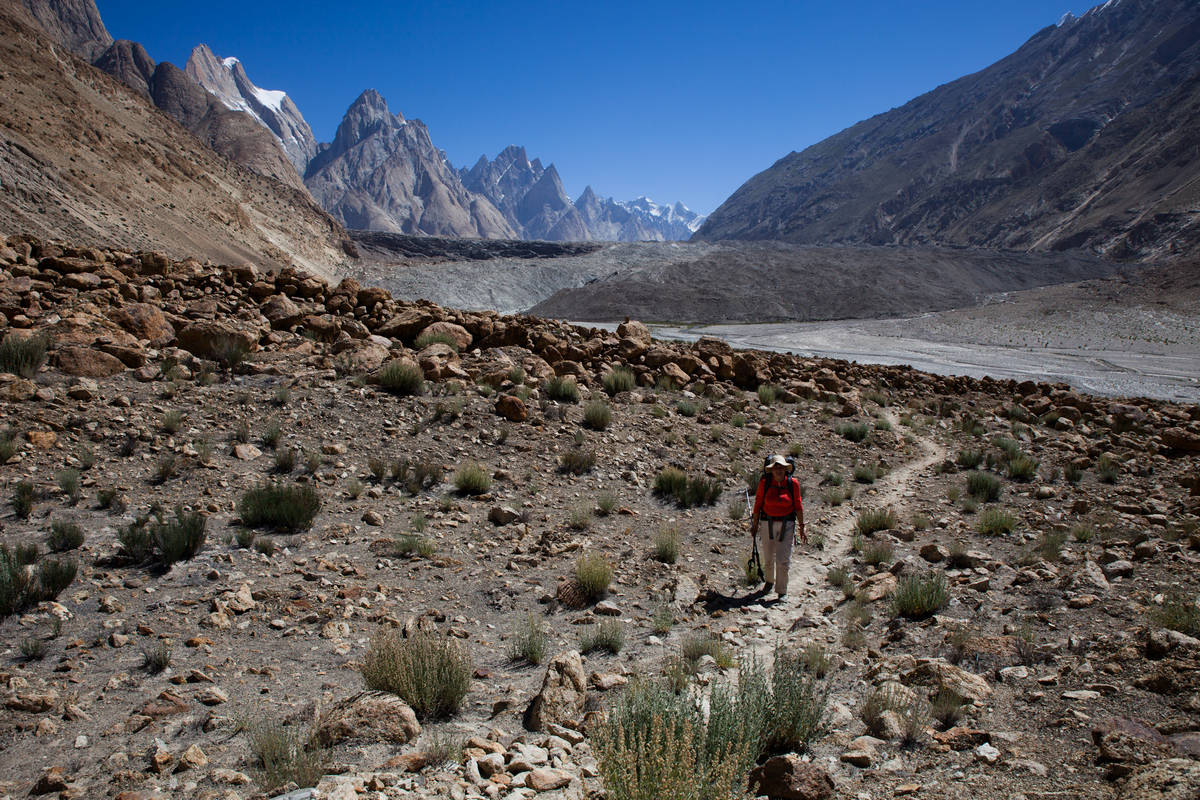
{"x": 229, "y": 62}
{"x": 1064, "y": 19}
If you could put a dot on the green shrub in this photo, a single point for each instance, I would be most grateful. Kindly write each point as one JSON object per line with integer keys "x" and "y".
{"x": 921, "y": 522}
{"x": 698, "y": 645}
{"x": 8, "y": 445}
{"x": 265, "y": 545}
{"x": 156, "y": 659}
{"x": 674, "y": 484}
{"x": 472, "y": 478}
{"x": 659, "y": 743}
{"x": 666, "y": 544}
{"x": 919, "y": 596}
{"x": 738, "y": 420}
{"x": 179, "y": 539}
{"x": 618, "y": 380}
{"x": 1083, "y": 533}
{"x": 435, "y": 337}
{"x": 577, "y": 460}
{"x": 402, "y": 378}
{"x": 662, "y": 619}
{"x": 68, "y": 481}
{"x": 946, "y": 707}
{"x": 1010, "y": 447}
{"x": 22, "y": 499}
{"x": 852, "y": 431}
{"x": 1072, "y": 473}
{"x": 687, "y": 408}
{"x": 64, "y": 536}
{"x": 593, "y": 573}
{"x": 767, "y": 394}
{"x": 1107, "y": 470}
{"x": 288, "y": 508}
{"x": 875, "y": 519}
{"x": 285, "y": 460}
{"x": 137, "y": 544}
{"x": 737, "y": 508}
{"x": 560, "y": 389}
{"x": 837, "y": 576}
{"x": 878, "y": 553}
{"x": 172, "y": 421}
{"x": 272, "y": 435}
{"x": 1050, "y": 545}
{"x": 606, "y": 503}
{"x": 17, "y": 590}
{"x": 410, "y": 544}
{"x": 815, "y": 660}
{"x": 53, "y": 576}
{"x": 33, "y": 649}
{"x": 597, "y": 415}
{"x": 529, "y": 643}
{"x": 1022, "y": 467}
{"x": 995, "y": 522}
{"x": 983, "y": 486}
{"x": 579, "y": 517}
{"x": 864, "y": 473}
{"x": 911, "y": 710}
{"x": 970, "y": 459}
{"x": 607, "y": 635}
{"x": 431, "y": 673}
{"x": 285, "y": 755}
{"x": 23, "y": 355}
{"x": 797, "y": 700}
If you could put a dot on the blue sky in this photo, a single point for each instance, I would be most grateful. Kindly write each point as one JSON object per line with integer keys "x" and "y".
{"x": 672, "y": 100}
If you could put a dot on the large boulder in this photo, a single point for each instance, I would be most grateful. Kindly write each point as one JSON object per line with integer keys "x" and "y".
{"x": 281, "y": 312}
{"x": 789, "y": 778}
{"x": 940, "y": 674}
{"x": 563, "y": 694}
{"x": 370, "y": 717}
{"x": 1181, "y": 439}
{"x": 87, "y": 362}
{"x": 145, "y": 321}
{"x": 448, "y": 331}
{"x": 218, "y": 341}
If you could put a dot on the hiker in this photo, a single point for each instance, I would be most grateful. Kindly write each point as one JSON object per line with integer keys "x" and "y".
{"x": 777, "y": 500}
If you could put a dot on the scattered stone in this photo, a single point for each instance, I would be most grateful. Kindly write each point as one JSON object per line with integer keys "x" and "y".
{"x": 790, "y": 778}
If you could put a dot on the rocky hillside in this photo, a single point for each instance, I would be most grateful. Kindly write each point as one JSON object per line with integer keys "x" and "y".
{"x": 382, "y": 173}
{"x": 1085, "y": 137}
{"x": 84, "y": 156}
{"x": 74, "y": 23}
{"x": 998, "y": 596}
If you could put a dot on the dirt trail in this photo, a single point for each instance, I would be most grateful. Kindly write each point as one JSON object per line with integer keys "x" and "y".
{"x": 808, "y": 565}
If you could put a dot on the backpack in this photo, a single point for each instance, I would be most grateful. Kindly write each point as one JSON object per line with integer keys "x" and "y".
{"x": 792, "y": 484}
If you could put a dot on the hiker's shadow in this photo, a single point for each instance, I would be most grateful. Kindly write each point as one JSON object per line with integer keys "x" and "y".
{"x": 712, "y": 600}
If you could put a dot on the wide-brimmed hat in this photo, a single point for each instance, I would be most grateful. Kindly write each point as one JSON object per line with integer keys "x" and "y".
{"x": 778, "y": 461}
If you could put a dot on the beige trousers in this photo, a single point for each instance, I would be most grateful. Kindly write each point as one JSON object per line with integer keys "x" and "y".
{"x": 775, "y": 549}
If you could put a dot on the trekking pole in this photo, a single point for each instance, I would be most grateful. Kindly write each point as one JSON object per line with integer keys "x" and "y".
{"x": 755, "y": 561}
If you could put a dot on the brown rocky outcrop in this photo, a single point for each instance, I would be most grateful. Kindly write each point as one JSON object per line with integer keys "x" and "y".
{"x": 788, "y": 777}
{"x": 563, "y": 695}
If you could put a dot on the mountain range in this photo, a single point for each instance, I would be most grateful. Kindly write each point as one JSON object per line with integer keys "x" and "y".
{"x": 1085, "y": 137}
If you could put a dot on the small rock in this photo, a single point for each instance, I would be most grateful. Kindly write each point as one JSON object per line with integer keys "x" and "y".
{"x": 987, "y": 753}
{"x": 246, "y": 452}
{"x": 212, "y": 696}
{"x": 53, "y": 779}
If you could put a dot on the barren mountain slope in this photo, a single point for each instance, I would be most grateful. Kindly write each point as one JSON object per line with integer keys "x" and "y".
{"x": 85, "y": 157}
{"x": 1085, "y": 137}
{"x": 764, "y": 281}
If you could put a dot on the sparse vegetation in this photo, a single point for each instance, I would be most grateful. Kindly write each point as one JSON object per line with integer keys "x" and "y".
{"x": 64, "y": 536}
{"x": 918, "y": 596}
{"x": 529, "y": 642}
{"x": 607, "y": 635}
{"x": 285, "y": 754}
{"x": 429, "y": 672}
{"x": 983, "y": 486}
{"x": 22, "y": 499}
{"x": 472, "y": 478}
{"x": 686, "y": 491}
{"x": 852, "y": 431}
{"x": 597, "y": 415}
{"x": 402, "y": 378}
{"x": 593, "y": 572}
{"x": 996, "y": 521}
{"x": 875, "y": 519}
{"x": 577, "y": 460}
{"x": 618, "y": 380}
{"x": 23, "y": 355}
{"x": 666, "y": 544}
{"x": 282, "y": 507}
{"x": 561, "y": 389}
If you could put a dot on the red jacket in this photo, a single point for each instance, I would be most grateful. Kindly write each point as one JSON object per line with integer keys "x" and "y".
{"x": 778, "y": 501}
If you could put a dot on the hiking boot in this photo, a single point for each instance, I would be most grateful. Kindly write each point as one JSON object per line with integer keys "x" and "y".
{"x": 768, "y": 586}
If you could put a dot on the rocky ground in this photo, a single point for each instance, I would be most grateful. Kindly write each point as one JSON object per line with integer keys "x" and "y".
{"x": 1068, "y": 637}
